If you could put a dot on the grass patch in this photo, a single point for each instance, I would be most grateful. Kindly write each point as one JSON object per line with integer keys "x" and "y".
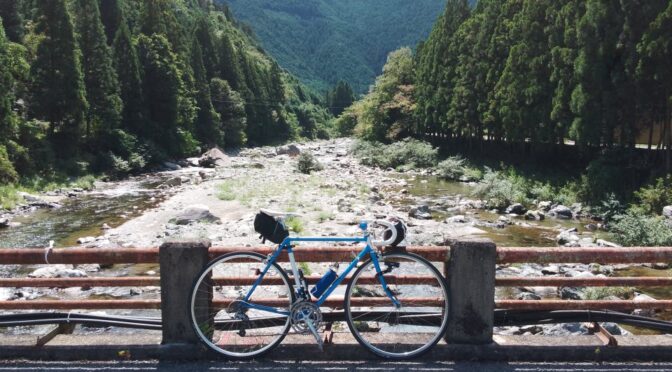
{"x": 305, "y": 268}
{"x": 227, "y": 191}
{"x": 601, "y": 293}
{"x": 9, "y": 197}
{"x": 325, "y": 216}
{"x": 9, "y": 194}
{"x": 294, "y": 224}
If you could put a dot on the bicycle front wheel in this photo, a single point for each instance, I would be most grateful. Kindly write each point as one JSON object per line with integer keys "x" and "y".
{"x": 409, "y": 329}
{"x": 228, "y": 323}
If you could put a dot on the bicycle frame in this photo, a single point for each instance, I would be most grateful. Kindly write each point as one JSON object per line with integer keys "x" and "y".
{"x": 286, "y": 245}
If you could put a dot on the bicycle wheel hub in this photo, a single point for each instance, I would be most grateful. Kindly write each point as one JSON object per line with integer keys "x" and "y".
{"x": 305, "y": 311}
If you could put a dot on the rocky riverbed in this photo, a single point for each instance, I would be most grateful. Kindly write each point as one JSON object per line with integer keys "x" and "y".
{"x": 216, "y": 196}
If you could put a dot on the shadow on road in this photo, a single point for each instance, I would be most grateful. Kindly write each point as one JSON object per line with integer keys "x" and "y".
{"x": 331, "y": 366}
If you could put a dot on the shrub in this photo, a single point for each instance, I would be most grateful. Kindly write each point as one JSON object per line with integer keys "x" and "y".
{"x": 500, "y": 190}
{"x": 608, "y": 174}
{"x": 610, "y": 208}
{"x": 635, "y": 229}
{"x": 472, "y": 174}
{"x": 652, "y": 198}
{"x": 542, "y": 191}
{"x": 9, "y": 197}
{"x": 307, "y": 163}
{"x": 7, "y": 172}
{"x": 452, "y": 168}
{"x": 409, "y": 153}
{"x": 345, "y": 124}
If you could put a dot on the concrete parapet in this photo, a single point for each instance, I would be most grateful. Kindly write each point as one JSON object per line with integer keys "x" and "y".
{"x": 470, "y": 273}
{"x": 181, "y": 263}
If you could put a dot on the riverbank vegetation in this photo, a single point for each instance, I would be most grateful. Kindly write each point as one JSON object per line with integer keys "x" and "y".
{"x": 567, "y": 102}
{"x": 116, "y": 86}
{"x": 633, "y": 218}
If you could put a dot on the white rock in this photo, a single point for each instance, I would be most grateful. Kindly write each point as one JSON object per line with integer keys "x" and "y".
{"x": 86, "y": 240}
{"x": 667, "y": 211}
{"x": 57, "y": 271}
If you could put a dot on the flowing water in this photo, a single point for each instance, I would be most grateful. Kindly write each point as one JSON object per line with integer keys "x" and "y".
{"x": 84, "y": 215}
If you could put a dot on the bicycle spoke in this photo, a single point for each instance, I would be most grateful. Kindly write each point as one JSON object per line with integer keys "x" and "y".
{"x": 228, "y": 323}
{"x": 402, "y": 332}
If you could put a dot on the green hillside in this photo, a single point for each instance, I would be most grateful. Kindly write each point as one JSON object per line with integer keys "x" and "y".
{"x": 324, "y": 41}
{"x": 117, "y": 85}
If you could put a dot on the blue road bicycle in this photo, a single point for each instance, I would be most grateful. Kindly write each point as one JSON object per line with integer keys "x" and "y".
{"x": 244, "y": 304}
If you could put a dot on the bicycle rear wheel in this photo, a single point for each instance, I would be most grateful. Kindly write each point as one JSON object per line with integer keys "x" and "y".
{"x": 231, "y": 326}
{"x": 397, "y": 332}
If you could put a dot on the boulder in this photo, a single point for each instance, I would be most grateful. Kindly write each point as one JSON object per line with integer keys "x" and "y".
{"x": 643, "y": 312}
{"x": 544, "y": 206}
{"x": 172, "y": 182}
{"x": 456, "y": 219}
{"x": 4, "y": 222}
{"x": 561, "y": 212}
{"x": 421, "y": 212}
{"x": 568, "y": 238}
{"x": 550, "y": 270}
{"x": 528, "y": 296}
{"x": 667, "y": 211}
{"x": 569, "y": 293}
{"x": 517, "y": 208}
{"x": 605, "y": 243}
{"x": 213, "y": 158}
{"x": 30, "y": 198}
{"x": 344, "y": 206}
{"x": 86, "y": 240}
{"x": 57, "y": 271}
{"x": 291, "y": 150}
{"x": 194, "y": 213}
{"x": 535, "y": 216}
{"x": 171, "y": 166}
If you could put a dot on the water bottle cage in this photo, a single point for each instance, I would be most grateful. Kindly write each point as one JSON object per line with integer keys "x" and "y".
{"x": 304, "y": 285}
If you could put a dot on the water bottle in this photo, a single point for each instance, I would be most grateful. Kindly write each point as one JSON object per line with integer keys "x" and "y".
{"x": 324, "y": 283}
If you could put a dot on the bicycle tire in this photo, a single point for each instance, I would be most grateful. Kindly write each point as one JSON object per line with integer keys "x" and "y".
{"x": 207, "y": 327}
{"x": 397, "y": 341}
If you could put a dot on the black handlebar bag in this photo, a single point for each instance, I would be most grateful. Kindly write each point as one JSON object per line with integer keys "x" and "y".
{"x": 401, "y": 233}
{"x": 269, "y": 228}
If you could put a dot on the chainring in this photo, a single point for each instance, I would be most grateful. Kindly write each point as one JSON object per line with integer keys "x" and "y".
{"x": 303, "y": 310}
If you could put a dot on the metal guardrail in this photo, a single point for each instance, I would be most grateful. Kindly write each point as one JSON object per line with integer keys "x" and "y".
{"x": 469, "y": 267}
{"x": 505, "y": 255}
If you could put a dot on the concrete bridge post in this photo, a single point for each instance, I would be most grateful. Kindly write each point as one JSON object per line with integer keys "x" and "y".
{"x": 180, "y": 264}
{"x": 470, "y": 273}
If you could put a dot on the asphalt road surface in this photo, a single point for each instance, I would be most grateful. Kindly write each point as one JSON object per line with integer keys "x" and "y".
{"x": 335, "y": 366}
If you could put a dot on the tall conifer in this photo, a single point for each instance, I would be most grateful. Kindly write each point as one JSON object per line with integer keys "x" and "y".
{"x": 100, "y": 77}
{"x": 58, "y": 93}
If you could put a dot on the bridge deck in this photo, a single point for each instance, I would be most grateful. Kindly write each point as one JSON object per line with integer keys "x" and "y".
{"x": 147, "y": 345}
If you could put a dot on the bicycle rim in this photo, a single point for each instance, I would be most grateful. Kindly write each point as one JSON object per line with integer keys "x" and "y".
{"x": 226, "y": 324}
{"x": 398, "y": 333}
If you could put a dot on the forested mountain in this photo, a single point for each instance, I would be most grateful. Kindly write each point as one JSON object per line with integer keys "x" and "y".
{"x": 531, "y": 71}
{"x": 324, "y": 41}
{"x": 90, "y": 85}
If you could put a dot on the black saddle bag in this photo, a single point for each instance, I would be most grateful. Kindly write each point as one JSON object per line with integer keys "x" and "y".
{"x": 269, "y": 228}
